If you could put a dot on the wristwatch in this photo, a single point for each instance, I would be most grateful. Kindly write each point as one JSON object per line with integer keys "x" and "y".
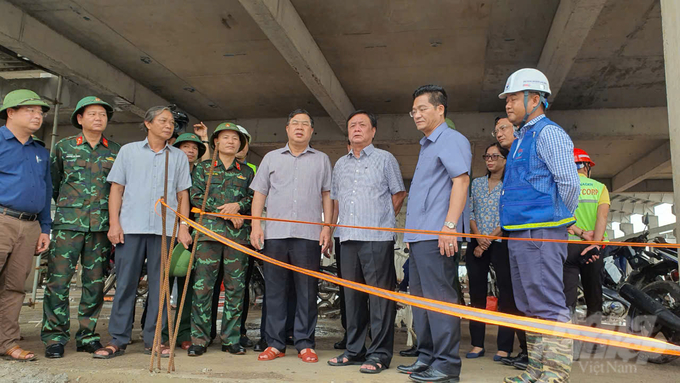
{"x": 185, "y": 223}
{"x": 450, "y": 225}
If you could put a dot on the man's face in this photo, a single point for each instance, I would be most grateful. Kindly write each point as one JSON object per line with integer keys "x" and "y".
{"x": 93, "y": 119}
{"x": 229, "y": 142}
{"x": 360, "y": 130}
{"x": 300, "y": 129}
{"x": 243, "y": 153}
{"x": 29, "y": 118}
{"x": 190, "y": 149}
{"x": 504, "y": 133}
{"x": 425, "y": 114}
{"x": 514, "y": 106}
{"x": 162, "y": 126}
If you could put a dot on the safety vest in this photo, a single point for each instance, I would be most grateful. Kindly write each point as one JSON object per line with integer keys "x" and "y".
{"x": 529, "y": 199}
{"x": 588, "y": 201}
{"x": 252, "y": 167}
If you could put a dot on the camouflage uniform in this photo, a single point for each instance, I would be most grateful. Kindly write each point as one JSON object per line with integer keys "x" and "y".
{"x": 228, "y": 185}
{"x": 80, "y": 226}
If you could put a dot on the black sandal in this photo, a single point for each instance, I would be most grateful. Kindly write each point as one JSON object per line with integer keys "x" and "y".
{"x": 112, "y": 351}
{"x": 196, "y": 350}
{"x": 375, "y": 363}
{"x": 349, "y": 362}
{"x": 147, "y": 351}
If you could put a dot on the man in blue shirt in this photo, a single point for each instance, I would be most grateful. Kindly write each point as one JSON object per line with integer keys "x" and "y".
{"x": 25, "y": 222}
{"x": 436, "y": 202}
{"x": 539, "y": 197}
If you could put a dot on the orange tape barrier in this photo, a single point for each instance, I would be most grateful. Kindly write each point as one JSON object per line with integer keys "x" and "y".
{"x": 566, "y": 330}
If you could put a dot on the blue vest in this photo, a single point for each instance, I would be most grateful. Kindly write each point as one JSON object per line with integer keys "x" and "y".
{"x": 530, "y": 199}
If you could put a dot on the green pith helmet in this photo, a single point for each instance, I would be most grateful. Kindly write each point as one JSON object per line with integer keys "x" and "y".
{"x": 21, "y": 97}
{"x": 228, "y": 126}
{"x": 179, "y": 263}
{"x": 85, "y": 102}
{"x": 244, "y": 131}
{"x": 39, "y": 141}
{"x": 191, "y": 137}
{"x": 450, "y": 124}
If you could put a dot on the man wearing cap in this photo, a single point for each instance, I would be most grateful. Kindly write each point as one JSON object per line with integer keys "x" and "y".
{"x": 79, "y": 165}
{"x": 25, "y": 192}
{"x": 540, "y": 194}
{"x": 228, "y": 194}
{"x": 192, "y": 146}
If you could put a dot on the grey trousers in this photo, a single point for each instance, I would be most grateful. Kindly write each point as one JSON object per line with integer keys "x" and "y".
{"x": 432, "y": 276}
{"x": 129, "y": 261}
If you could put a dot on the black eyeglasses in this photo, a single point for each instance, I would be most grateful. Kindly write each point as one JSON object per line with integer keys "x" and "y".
{"x": 494, "y": 157}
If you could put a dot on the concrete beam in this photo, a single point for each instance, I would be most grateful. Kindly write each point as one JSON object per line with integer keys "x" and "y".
{"x": 24, "y": 35}
{"x": 279, "y": 20}
{"x": 573, "y": 21}
{"x": 643, "y": 168}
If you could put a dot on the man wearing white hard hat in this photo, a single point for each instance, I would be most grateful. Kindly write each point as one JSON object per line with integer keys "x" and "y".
{"x": 539, "y": 197}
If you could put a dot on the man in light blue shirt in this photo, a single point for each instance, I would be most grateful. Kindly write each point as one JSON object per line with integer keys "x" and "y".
{"x": 137, "y": 181}
{"x": 436, "y": 202}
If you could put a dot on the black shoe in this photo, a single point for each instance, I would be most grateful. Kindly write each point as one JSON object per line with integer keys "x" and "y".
{"x": 411, "y": 352}
{"x": 90, "y": 347}
{"x": 416, "y": 367}
{"x": 245, "y": 341}
{"x": 54, "y": 351}
{"x": 510, "y": 360}
{"x": 290, "y": 341}
{"x": 260, "y": 346}
{"x": 341, "y": 345}
{"x": 196, "y": 350}
{"x": 521, "y": 364}
{"x": 433, "y": 376}
{"x": 235, "y": 349}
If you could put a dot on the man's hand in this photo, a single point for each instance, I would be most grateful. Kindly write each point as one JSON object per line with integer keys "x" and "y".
{"x": 588, "y": 235}
{"x": 229, "y": 208}
{"x": 484, "y": 243}
{"x": 201, "y": 130}
{"x": 184, "y": 237}
{"x": 448, "y": 245}
{"x": 238, "y": 222}
{"x": 593, "y": 258}
{"x": 43, "y": 243}
{"x": 116, "y": 234}
{"x": 329, "y": 251}
{"x": 478, "y": 251}
{"x": 257, "y": 236}
{"x": 325, "y": 239}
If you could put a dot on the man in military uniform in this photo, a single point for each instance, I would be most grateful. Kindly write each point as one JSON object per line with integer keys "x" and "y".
{"x": 79, "y": 167}
{"x": 228, "y": 194}
{"x": 192, "y": 146}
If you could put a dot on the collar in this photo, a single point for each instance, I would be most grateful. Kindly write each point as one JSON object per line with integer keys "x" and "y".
{"x": 235, "y": 164}
{"x": 529, "y": 125}
{"x": 366, "y": 151}
{"x": 308, "y": 149}
{"x": 6, "y": 133}
{"x": 81, "y": 140}
{"x": 145, "y": 143}
{"x": 435, "y": 133}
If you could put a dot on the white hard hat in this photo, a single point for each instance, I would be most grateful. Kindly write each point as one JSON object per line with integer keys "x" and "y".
{"x": 245, "y": 132}
{"x": 526, "y": 79}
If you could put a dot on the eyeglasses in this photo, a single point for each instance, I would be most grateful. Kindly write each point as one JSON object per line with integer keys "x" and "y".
{"x": 500, "y": 129}
{"x": 420, "y": 110}
{"x": 37, "y": 111}
{"x": 493, "y": 157}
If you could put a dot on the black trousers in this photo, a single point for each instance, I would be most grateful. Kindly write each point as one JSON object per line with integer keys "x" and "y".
{"x": 478, "y": 270}
{"x": 246, "y": 296}
{"x": 305, "y": 254}
{"x": 338, "y": 264}
{"x": 433, "y": 276}
{"x": 371, "y": 263}
{"x": 591, "y": 279}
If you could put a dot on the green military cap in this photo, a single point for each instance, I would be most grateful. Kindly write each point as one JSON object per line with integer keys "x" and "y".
{"x": 228, "y": 126}
{"x": 85, "y": 102}
{"x": 244, "y": 131}
{"x": 39, "y": 141}
{"x": 191, "y": 137}
{"x": 450, "y": 124}
{"x": 21, "y": 97}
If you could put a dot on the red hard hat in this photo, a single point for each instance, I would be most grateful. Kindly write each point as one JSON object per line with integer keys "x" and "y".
{"x": 580, "y": 155}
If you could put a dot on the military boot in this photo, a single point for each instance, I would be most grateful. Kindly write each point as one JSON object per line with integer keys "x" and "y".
{"x": 557, "y": 359}
{"x": 535, "y": 366}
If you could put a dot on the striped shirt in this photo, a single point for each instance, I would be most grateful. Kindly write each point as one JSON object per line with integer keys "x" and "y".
{"x": 555, "y": 148}
{"x": 363, "y": 188}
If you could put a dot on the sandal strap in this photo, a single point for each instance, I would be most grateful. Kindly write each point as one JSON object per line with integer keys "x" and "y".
{"x": 11, "y": 350}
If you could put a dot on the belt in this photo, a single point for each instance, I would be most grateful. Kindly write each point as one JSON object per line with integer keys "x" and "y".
{"x": 17, "y": 214}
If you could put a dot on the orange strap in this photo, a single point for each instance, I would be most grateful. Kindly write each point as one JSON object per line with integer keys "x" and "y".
{"x": 566, "y": 330}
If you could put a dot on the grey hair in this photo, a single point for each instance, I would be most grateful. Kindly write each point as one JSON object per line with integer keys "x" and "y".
{"x": 151, "y": 114}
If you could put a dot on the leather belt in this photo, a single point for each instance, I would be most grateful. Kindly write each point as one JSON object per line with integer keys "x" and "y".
{"x": 17, "y": 214}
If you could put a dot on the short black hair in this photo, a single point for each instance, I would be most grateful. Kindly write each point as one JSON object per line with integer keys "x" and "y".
{"x": 504, "y": 152}
{"x": 437, "y": 95}
{"x": 371, "y": 117}
{"x": 495, "y": 121}
{"x": 300, "y": 111}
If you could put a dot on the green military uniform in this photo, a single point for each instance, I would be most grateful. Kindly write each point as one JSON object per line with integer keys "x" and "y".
{"x": 229, "y": 185}
{"x": 81, "y": 223}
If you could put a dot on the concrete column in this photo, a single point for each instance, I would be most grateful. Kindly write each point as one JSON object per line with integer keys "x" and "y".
{"x": 626, "y": 228}
{"x": 653, "y": 221}
{"x": 670, "y": 21}
{"x": 610, "y": 234}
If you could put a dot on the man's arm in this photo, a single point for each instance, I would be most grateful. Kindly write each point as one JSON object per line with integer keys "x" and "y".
{"x": 184, "y": 208}
{"x": 336, "y": 214}
{"x": 256, "y": 233}
{"x": 325, "y": 237}
{"x": 556, "y": 149}
{"x": 456, "y": 206}
{"x": 115, "y": 201}
{"x": 398, "y": 201}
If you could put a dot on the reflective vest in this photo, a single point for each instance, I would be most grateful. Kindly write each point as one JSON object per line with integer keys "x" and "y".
{"x": 252, "y": 167}
{"x": 530, "y": 199}
{"x": 588, "y": 201}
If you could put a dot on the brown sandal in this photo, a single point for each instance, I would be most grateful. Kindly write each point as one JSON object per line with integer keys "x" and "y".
{"x": 270, "y": 353}
{"x": 22, "y": 355}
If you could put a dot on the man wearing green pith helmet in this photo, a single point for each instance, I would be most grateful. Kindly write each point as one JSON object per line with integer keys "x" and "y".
{"x": 79, "y": 167}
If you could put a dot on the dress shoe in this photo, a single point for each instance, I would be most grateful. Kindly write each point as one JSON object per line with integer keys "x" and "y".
{"x": 474, "y": 355}
{"x": 290, "y": 341}
{"x": 341, "y": 345}
{"x": 510, "y": 360}
{"x": 433, "y": 376}
{"x": 411, "y": 352}
{"x": 245, "y": 341}
{"x": 236, "y": 349}
{"x": 90, "y": 347}
{"x": 261, "y": 345}
{"x": 54, "y": 351}
{"x": 416, "y": 367}
{"x": 521, "y": 364}
{"x": 196, "y": 350}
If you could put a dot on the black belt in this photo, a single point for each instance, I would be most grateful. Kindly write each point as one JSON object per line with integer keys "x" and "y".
{"x": 17, "y": 214}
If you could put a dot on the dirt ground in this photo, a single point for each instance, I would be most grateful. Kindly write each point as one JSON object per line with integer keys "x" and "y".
{"x": 217, "y": 366}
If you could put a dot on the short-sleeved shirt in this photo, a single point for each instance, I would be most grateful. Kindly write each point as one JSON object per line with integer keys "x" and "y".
{"x": 25, "y": 181}
{"x": 79, "y": 181}
{"x": 227, "y": 185}
{"x": 293, "y": 186}
{"x": 363, "y": 188}
{"x": 444, "y": 155}
{"x": 484, "y": 205}
{"x": 142, "y": 172}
